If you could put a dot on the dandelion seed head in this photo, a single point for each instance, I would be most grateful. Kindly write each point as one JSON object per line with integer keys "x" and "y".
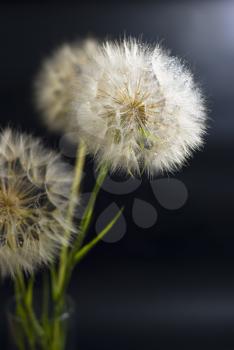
{"x": 33, "y": 203}
{"x": 53, "y": 84}
{"x": 138, "y": 108}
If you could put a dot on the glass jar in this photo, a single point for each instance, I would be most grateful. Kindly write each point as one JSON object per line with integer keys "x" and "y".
{"x": 41, "y": 329}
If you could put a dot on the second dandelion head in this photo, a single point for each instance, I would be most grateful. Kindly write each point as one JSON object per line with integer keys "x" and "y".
{"x": 34, "y": 192}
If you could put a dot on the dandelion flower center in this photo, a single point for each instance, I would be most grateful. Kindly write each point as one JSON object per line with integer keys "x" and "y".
{"x": 15, "y": 204}
{"x": 9, "y": 204}
{"x": 19, "y": 202}
{"x": 131, "y": 110}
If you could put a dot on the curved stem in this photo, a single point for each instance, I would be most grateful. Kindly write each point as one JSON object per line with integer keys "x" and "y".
{"x": 85, "y": 250}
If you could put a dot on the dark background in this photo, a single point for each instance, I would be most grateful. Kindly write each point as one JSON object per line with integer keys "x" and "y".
{"x": 171, "y": 285}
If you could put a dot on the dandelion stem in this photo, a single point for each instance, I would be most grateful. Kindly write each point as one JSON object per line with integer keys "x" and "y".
{"x": 70, "y": 214}
{"x": 87, "y": 217}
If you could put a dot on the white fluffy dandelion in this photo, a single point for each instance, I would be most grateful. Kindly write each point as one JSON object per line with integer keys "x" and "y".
{"x": 138, "y": 109}
{"x": 34, "y": 191}
{"x": 54, "y": 82}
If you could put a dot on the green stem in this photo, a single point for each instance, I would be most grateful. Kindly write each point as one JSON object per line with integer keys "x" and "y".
{"x": 21, "y": 313}
{"x": 72, "y": 205}
{"x": 45, "y": 303}
{"x": 86, "y": 220}
{"x": 24, "y": 300}
{"x": 85, "y": 250}
{"x": 85, "y": 223}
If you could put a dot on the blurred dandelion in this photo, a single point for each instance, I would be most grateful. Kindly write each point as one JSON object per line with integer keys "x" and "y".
{"x": 53, "y": 84}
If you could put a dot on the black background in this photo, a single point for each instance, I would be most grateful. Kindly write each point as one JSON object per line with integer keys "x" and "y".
{"x": 173, "y": 284}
